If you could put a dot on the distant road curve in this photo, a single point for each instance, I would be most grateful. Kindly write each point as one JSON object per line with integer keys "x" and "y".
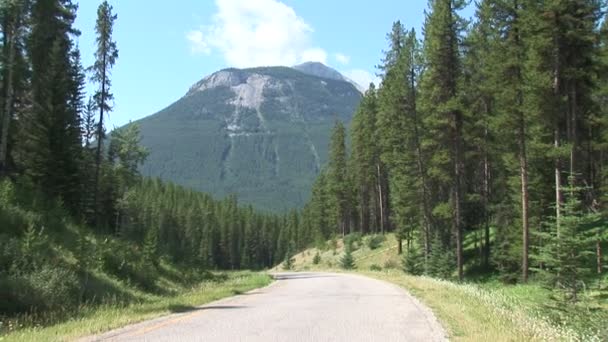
{"x": 298, "y": 307}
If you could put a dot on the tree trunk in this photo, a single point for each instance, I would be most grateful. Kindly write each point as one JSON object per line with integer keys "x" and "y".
{"x": 556, "y": 133}
{"x": 99, "y": 142}
{"x": 486, "y": 194}
{"x": 399, "y": 244}
{"x": 523, "y": 163}
{"x": 9, "y": 99}
{"x": 364, "y": 224}
{"x": 380, "y": 198}
{"x": 598, "y": 253}
{"x": 421, "y": 171}
{"x": 573, "y": 135}
{"x": 456, "y": 222}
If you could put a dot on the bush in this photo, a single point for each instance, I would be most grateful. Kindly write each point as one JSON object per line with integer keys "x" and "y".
{"x": 49, "y": 288}
{"x": 375, "y": 267}
{"x": 352, "y": 241}
{"x": 391, "y": 264}
{"x": 375, "y": 241}
{"x": 317, "y": 259}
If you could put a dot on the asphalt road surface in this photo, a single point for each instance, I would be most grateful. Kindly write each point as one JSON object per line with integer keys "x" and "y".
{"x": 298, "y": 307}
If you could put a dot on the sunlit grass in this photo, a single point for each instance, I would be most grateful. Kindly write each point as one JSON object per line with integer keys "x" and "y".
{"x": 485, "y": 311}
{"x": 95, "y": 319}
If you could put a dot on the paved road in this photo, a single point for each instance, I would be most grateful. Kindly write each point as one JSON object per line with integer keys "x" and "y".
{"x": 299, "y": 307}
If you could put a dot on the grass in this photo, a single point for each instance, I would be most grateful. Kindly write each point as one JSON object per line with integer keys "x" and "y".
{"x": 96, "y": 319}
{"x": 483, "y": 311}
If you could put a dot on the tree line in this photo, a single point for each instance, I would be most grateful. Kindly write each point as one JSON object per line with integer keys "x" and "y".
{"x": 73, "y": 204}
{"x": 490, "y": 131}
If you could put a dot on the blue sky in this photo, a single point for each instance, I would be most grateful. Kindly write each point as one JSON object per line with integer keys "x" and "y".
{"x": 165, "y": 47}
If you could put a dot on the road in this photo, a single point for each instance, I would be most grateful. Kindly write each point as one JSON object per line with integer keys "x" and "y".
{"x": 298, "y": 307}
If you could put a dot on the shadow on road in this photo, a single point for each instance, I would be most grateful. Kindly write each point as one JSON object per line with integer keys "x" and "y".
{"x": 185, "y": 308}
{"x": 295, "y": 276}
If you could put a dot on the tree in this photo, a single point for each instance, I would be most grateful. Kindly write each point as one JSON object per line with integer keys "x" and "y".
{"x": 105, "y": 58}
{"x": 125, "y": 156}
{"x": 50, "y": 141}
{"x": 338, "y": 178}
{"x": 288, "y": 262}
{"x": 13, "y": 21}
{"x": 365, "y": 155}
{"x": 440, "y": 101}
{"x": 347, "y": 261}
{"x": 567, "y": 251}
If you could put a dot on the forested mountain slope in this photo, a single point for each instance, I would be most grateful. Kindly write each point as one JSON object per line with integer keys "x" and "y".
{"x": 259, "y": 133}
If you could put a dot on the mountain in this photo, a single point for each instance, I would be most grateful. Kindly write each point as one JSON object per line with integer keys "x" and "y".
{"x": 323, "y": 71}
{"x": 260, "y": 133}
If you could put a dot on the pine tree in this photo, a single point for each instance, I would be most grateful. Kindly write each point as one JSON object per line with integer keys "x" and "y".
{"x": 13, "y": 17}
{"x": 105, "y": 58}
{"x": 50, "y": 141}
{"x": 440, "y": 101}
{"x": 365, "y": 155}
{"x": 338, "y": 178}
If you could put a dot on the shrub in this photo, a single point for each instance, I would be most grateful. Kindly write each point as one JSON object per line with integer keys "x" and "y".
{"x": 375, "y": 267}
{"x": 352, "y": 241}
{"x": 391, "y": 264}
{"x": 54, "y": 287}
{"x": 374, "y": 241}
{"x": 48, "y": 288}
{"x": 317, "y": 259}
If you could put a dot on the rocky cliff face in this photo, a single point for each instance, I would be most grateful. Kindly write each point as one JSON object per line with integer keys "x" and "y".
{"x": 259, "y": 133}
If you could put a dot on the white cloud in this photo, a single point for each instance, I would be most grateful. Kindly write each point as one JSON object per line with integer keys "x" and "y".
{"x": 256, "y": 33}
{"x": 197, "y": 42}
{"x": 342, "y": 58}
{"x": 314, "y": 55}
{"x": 362, "y": 77}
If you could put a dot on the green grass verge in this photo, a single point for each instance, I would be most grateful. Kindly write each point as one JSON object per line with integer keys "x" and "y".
{"x": 471, "y": 312}
{"x": 484, "y": 311}
{"x": 96, "y": 319}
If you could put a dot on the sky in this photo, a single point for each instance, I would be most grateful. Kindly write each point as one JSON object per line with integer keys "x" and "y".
{"x": 167, "y": 46}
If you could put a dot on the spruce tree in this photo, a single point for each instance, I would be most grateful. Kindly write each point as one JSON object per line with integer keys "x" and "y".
{"x": 347, "y": 261}
{"x": 568, "y": 247}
